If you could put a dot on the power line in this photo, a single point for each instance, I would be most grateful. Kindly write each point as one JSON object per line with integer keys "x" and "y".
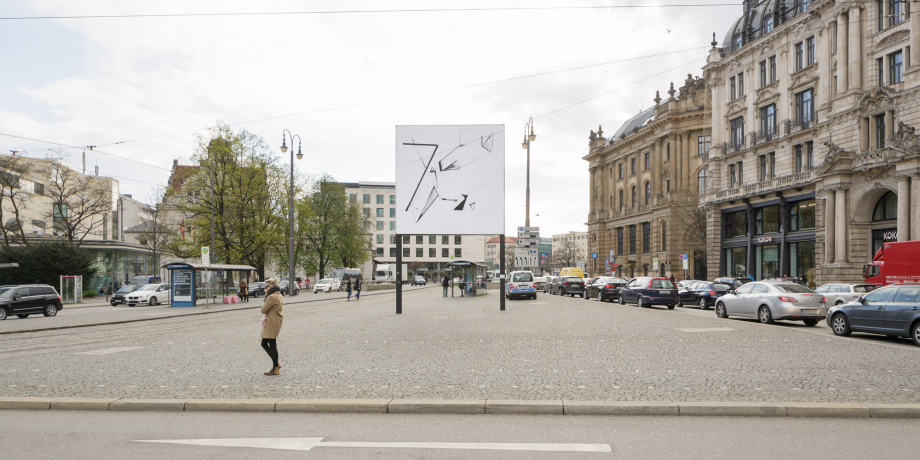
{"x": 388, "y": 11}
{"x": 80, "y": 147}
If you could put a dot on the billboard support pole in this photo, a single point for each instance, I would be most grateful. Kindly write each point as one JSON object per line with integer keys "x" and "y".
{"x": 501, "y": 274}
{"x": 399, "y": 274}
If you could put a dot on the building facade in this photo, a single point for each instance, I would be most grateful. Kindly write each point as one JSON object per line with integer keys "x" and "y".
{"x": 815, "y": 164}
{"x": 493, "y": 252}
{"x": 564, "y": 243}
{"x": 645, "y": 183}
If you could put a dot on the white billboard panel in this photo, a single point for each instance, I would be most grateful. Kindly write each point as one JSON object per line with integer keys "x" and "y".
{"x": 450, "y": 180}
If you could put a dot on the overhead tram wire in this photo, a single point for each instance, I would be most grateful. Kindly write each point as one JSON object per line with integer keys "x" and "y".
{"x": 81, "y": 147}
{"x": 427, "y": 93}
{"x": 388, "y": 11}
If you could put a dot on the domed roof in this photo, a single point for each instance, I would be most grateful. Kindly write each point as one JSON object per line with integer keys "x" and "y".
{"x": 759, "y": 19}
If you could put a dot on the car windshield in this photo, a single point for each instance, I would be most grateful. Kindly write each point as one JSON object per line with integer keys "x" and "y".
{"x": 662, "y": 284}
{"x": 793, "y": 288}
{"x": 6, "y": 292}
{"x": 149, "y": 287}
{"x": 864, "y": 288}
{"x": 616, "y": 281}
{"x": 721, "y": 287}
{"x": 325, "y": 281}
{"x": 127, "y": 288}
{"x": 522, "y": 278}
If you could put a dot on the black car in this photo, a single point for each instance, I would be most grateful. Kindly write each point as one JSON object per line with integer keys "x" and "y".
{"x": 569, "y": 285}
{"x": 645, "y": 292}
{"x": 256, "y": 289}
{"x": 736, "y": 282}
{"x": 27, "y": 299}
{"x": 604, "y": 288}
{"x": 703, "y": 294}
{"x": 892, "y": 310}
{"x": 284, "y": 288}
{"x": 121, "y": 296}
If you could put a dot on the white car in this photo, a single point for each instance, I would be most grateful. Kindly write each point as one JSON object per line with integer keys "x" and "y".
{"x": 149, "y": 294}
{"x": 327, "y": 285}
{"x": 520, "y": 284}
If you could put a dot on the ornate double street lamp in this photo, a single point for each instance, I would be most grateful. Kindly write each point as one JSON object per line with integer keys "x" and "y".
{"x": 284, "y": 149}
{"x": 528, "y": 138}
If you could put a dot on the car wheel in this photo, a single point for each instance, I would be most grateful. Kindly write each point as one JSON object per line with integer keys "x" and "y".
{"x": 840, "y": 325}
{"x": 50, "y": 310}
{"x": 3, "y": 313}
{"x": 562, "y": 292}
{"x": 23, "y": 316}
{"x": 621, "y": 299}
{"x": 703, "y": 305}
{"x": 839, "y": 302}
{"x": 600, "y": 296}
{"x": 639, "y": 302}
{"x": 764, "y": 315}
{"x": 114, "y": 304}
{"x": 680, "y": 304}
{"x": 153, "y": 301}
{"x": 810, "y": 322}
{"x": 671, "y": 306}
{"x": 720, "y": 310}
{"x": 915, "y": 333}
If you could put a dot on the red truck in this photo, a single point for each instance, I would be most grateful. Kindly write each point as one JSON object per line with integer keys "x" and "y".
{"x": 894, "y": 263}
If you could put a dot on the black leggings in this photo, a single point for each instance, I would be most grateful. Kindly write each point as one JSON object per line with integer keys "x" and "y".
{"x": 271, "y": 347}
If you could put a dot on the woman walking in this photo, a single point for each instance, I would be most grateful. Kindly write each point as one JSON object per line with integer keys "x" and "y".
{"x": 358, "y": 288}
{"x": 271, "y": 323}
{"x": 348, "y": 288}
{"x": 244, "y": 291}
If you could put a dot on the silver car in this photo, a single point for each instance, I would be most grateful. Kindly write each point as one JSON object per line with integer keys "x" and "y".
{"x": 839, "y": 294}
{"x": 773, "y": 301}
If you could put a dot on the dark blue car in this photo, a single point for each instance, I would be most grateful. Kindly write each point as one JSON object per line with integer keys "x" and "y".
{"x": 646, "y": 291}
{"x": 703, "y": 294}
{"x": 892, "y": 310}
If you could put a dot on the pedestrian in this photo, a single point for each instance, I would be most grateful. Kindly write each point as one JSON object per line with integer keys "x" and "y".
{"x": 244, "y": 291}
{"x": 348, "y": 288}
{"x": 672, "y": 279}
{"x": 750, "y": 277}
{"x": 445, "y": 283}
{"x": 271, "y": 323}
{"x": 358, "y": 288}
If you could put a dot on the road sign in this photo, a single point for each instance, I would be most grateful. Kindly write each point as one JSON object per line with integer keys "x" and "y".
{"x": 655, "y": 262}
{"x": 682, "y": 256}
{"x": 524, "y": 257}
{"x": 594, "y": 255}
{"x": 206, "y": 256}
{"x": 686, "y": 264}
{"x": 529, "y": 229}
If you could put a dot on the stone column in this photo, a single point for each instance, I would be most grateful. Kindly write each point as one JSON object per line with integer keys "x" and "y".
{"x": 854, "y": 48}
{"x": 915, "y": 204}
{"x": 685, "y": 163}
{"x": 904, "y": 200}
{"x": 591, "y": 191}
{"x": 672, "y": 169}
{"x": 914, "y": 37}
{"x": 889, "y": 122}
{"x": 840, "y": 250}
{"x": 656, "y": 169}
{"x": 842, "y": 53}
{"x": 830, "y": 217}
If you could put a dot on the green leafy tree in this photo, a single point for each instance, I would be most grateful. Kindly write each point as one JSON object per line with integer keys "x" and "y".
{"x": 45, "y": 263}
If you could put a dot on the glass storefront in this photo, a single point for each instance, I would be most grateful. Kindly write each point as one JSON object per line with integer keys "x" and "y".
{"x": 802, "y": 261}
{"x": 882, "y": 236}
{"x": 736, "y": 261}
{"x": 767, "y": 257}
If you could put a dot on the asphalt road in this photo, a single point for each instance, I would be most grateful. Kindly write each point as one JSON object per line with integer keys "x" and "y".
{"x": 113, "y": 435}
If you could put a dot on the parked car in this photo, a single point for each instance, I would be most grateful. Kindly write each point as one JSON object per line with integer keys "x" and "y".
{"x": 645, "y": 292}
{"x": 736, "y": 282}
{"x": 149, "y": 294}
{"x": 419, "y": 281}
{"x": 771, "y": 301}
{"x": 548, "y": 284}
{"x": 569, "y": 285}
{"x": 790, "y": 279}
{"x": 893, "y": 310}
{"x": 257, "y": 288}
{"x": 24, "y": 300}
{"x": 520, "y": 285}
{"x": 703, "y": 294}
{"x": 121, "y": 295}
{"x": 539, "y": 282}
{"x": 327, "y": 285}
{"x": 283, "y": 285}
{"x": 604, "y": 288}
{"x": 686, "y": 284}
{"x": 839, "y": 294}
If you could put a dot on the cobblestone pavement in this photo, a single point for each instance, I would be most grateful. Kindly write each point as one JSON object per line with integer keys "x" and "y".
{"x": 461, "y": 348}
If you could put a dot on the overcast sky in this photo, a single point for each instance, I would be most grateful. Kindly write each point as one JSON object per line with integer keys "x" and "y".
{"x": 101, "y": 81}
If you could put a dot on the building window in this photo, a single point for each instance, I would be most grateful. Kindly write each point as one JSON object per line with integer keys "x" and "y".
{"x": 664, "y": 236}
{"x": 646, "y": 237}
{"x": 768, "y": 121}
{"x": 457, "y": 252}
{"x": 632, "y": 239}
{"x": 740, "y": 84}
{"x": 648, "y": 160}
{"x": 419, "y": 253}
{"x": 734, "y": 89}
{"x": 732, "y": 176}
{"x": 648, "y": 192}
{"x": 772, "y": 69}
{"x": 379, "y": 212}
{"x": 740, "y": 172}
{"x": 804, "y": 107}
{"x": 880, "y": 65}
{"x": 379, "y": 199}
{"x": 445, "y": 253}
{"x": 766, "y": 220}
{"x": 379, "y": 252}
{"x": 632, "y": 166}
{"x": 380, "y": 225}
{"x": 736, "y": 224}
{"x": 392, "y": 239}
{"x": 456, "y": 239}
{"x": 880, "y": 131}
{"x": 392, "y": 199}
{"x": 419, "y": 239}
{"x": 393, "y": 225}
{"x": 802, "y": 215}
{"x": 620, "y": 171}
{"x": 392, "y": 213}
{"x": 620, "y": 240}
{"x": 634, "y": 200}
{"x": 763, "y": 73}
{"x": 432, "y": 239}
{"x": 379, "y": 238}
{"x": 445, "y": 239}
{"x": 701, "y": 179}
{"x": 38, "y": 189}
{"x": 59, "y": 213}
{"x": 366, "y": 198}
{"x": 895, "y": 64}
{"x": 702, "y": 144}
{"x": 432, "y": 253}
{"x": 768, "y": 23}
{"x": 799, "y": 56}
{"x": 737, "y": 134}
{"x": 809, "y": 51}
{"x": 804, "y": 154}
{"x": 895, "y": 11}
{"x": 366, "y": 211}
{"x": 352, "y": 198}
{"x": 886, "y": 208}
{"x": 737, "y": 42}
{"x": 763, "y": 168}
{"x": 392, "y": 252}
{"x": 405, "y": 252}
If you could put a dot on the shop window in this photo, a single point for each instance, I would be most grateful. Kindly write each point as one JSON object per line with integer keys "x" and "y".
{"x": 736, "y": 262}
{"x": 886, "y": 208}
{"x": 766, "y": 261}
{"x": 802, "y": 261}
{"x": 736, "y": 224}
{"x": 802, "y": 215}
{"x": 766, "y": 220}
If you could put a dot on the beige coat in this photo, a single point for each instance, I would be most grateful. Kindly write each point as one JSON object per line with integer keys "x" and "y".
{"x": 272, "y": 311}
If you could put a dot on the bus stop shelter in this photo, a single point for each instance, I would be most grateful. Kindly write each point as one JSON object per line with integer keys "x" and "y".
{"x": 471, "y": 277}
{"x": 192, "y": 284}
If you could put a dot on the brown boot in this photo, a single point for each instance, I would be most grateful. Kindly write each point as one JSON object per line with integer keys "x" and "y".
{"x": 274, "y": 371}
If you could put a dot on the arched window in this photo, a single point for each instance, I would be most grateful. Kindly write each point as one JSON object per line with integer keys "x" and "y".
{"x": 648, "y": 192}
{"x": 701, "y": 180}
{"x": 634, "y": 196}
{"x": 622, "y": 202}
{"x": 886, "y": 208}
{"x": 664, "y": 236}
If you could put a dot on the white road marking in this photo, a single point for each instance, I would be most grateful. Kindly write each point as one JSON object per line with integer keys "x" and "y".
{"x": 108, "y": 351}
{"x": 705, "y": 329}
{"x": 310, "y": 443}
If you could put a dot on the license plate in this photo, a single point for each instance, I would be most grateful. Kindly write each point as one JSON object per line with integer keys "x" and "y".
{"x": 665, "y": 292}
{"x": 809, "y": 312}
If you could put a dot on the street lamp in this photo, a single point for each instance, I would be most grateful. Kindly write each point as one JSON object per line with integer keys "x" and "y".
{"x": 284, "y": 149}
{"x": 528, "y": 138}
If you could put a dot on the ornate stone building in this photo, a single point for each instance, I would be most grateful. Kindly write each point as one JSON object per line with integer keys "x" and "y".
{"x": 644, "y": 188}
{"x": 814, "y": 160}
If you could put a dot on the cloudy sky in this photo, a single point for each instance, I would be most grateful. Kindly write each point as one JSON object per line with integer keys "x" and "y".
{"x": 139, "y": 87}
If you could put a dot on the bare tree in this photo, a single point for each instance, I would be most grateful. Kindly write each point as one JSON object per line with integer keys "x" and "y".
{"x": 79, "y": 202}
{"x": 566, "y": 254}
{"x": 156, "y": 232}
{"x": 688, "y": 224}
{"x": 509, "y": 258}
{"x": 13, "y": 200}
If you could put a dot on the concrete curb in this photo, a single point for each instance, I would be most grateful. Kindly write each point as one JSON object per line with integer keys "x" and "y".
{"x": 451, "y": 406}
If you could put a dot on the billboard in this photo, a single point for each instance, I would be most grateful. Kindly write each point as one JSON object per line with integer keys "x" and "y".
{"x": 450, "y": 179}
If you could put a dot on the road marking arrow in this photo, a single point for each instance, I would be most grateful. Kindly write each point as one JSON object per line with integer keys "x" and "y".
{"x": 310, "y": 443}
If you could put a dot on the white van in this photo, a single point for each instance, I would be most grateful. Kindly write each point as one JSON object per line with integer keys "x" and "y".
{"x": 520, "y": 284}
